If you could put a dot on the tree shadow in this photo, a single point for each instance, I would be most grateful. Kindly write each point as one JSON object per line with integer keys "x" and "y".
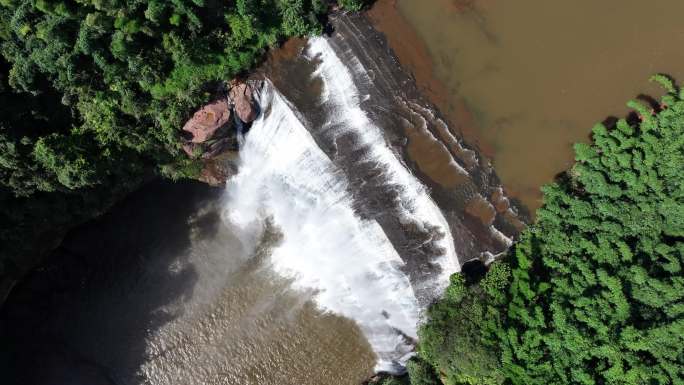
{"x": 650, "y": 101}
{"x": 84, "y": 317}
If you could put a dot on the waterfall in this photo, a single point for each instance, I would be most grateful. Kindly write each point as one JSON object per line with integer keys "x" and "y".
{"x": 342, "y": 97}
{"x": 347, "y": 262}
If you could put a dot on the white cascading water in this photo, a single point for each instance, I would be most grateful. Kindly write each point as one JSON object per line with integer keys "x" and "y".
{"x": 348, "y": 262}
{"x": 341, "y": 95}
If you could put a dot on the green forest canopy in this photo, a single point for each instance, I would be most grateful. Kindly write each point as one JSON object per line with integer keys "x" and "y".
{"x": 94, "y": 93}
{"x": 593, "y": 293}
{"x": 122, "y": 77}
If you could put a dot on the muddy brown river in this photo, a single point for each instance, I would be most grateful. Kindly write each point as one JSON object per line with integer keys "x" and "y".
{"x": 160, "y": 291}
{"x": 355, "y": 197}
{"x": 526, "y": 79}
{"x": 351, "y": 205}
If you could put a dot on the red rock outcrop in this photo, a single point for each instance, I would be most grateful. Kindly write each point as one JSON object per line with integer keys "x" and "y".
{"x": 205, "y": 122}
{"x": 218, "y": 170}
{"x": 241, "y": 95}
{"x": 210, "y": 142}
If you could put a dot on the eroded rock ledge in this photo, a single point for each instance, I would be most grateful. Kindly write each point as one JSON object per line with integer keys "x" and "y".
{"x": 212, "y": 133}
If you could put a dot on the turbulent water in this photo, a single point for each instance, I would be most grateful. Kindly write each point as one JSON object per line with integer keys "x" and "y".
{"x": 352, "y": 204}
{"x": 327, "y": 248}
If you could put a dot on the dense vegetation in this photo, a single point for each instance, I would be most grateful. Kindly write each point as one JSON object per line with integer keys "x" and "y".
{"x": 593, "y": 293}
{"x": 94, "y": 93}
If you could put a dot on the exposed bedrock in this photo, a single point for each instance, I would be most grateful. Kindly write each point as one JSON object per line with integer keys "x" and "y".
{"x": 212, "y": 133}
{"x": 241, "y": 96}
{"x": 208, "y": 120}
{"x": 482, "y": 220}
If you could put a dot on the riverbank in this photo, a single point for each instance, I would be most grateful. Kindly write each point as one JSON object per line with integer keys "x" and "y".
{"x": 415, "y": 57}
{"x": 159, "y": 289}
{"x": 461, "y": 180}
{"x": 521, "y": 82}
{"x": 352, "y": 191}
{"x": 75, "y": 138}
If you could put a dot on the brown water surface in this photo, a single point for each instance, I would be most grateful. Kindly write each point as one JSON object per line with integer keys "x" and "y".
{"x": 160, "y": 291}
{"x": 533, "y": 75}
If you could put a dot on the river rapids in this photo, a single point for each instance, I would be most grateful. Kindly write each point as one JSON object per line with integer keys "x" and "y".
{"x": 352, "y": 204}
{"x": 286, "y": 180}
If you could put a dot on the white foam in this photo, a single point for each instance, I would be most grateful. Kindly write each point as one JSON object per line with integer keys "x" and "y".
{"x": 341, "y": 93}
{"x": 347, "y": 261}
{"x": 423, "y": 129}
{"x": 350, "y": 262}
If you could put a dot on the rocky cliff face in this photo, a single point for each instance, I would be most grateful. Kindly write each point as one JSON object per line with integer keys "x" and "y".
{"x": 461, "y": 181}
{"x": 212, "y": 133}
{"x": 241, "y": 96}
{"x": 208, "y": 120}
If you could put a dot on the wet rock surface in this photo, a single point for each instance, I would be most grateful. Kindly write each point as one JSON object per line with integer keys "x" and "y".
{"x": 241, "y": 96}
{"x": 218, "y": 169}
{"x": 213, "y": 133}
{"x": 208, "y": 120}
{"x": 462, "y": 182}
{"x": 149, "y": 311}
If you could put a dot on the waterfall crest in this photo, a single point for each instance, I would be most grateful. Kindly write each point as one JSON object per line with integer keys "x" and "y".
{"x": 342, "y": 97}
{"x": 347, "y": 262}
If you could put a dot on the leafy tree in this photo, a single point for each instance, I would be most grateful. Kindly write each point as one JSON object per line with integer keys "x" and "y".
{"x": 421, "y": 373}
{"x": 394, "y": 381}
{"x": 132, "y": 72}
{"x": 454, "y": 339}
{"x": 597, "y": 286}
{"x": 352, "y": 5}
{"x": 595, "y": 290}
{"x": 94, "y": 94}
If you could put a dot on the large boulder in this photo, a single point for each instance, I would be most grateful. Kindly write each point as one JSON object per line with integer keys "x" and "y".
{"x": 216, "y": 171}
{"x": 209, "y": 119}
{"x": 242, "y": 96}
